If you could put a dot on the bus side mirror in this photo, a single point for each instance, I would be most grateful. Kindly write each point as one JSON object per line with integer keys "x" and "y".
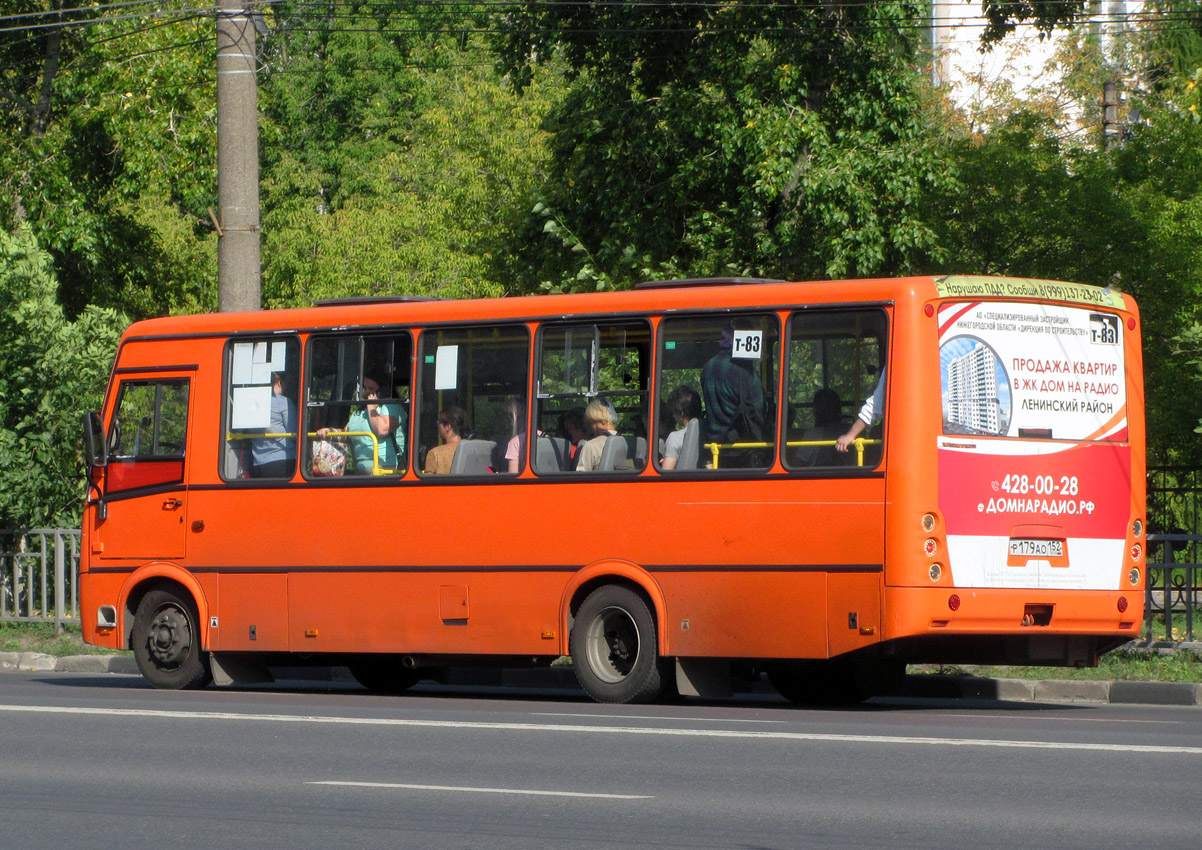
{"x": 96, "y": 448}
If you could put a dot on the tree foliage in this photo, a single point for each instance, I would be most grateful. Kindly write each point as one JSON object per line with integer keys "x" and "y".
{"x": 418, "y": 174}
{"x": 701, "y": 139}
{"x": 111, "y": 163}
{"x": 52, "y": 368}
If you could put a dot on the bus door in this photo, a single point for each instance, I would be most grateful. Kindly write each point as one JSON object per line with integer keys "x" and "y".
{"x": 144, "y": 483}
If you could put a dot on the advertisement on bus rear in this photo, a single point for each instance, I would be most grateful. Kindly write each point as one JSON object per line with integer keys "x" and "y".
{"x": 1033, "y": 463}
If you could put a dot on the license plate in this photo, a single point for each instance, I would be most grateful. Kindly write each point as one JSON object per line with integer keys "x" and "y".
{"x": 1025, "y": 548}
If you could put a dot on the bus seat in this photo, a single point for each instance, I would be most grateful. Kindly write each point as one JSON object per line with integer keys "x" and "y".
{"x": 613, "y": 453}
{"x": 690, "y": 448}
{"x": 472, "y": 457}
{"x": 551, "y": 455}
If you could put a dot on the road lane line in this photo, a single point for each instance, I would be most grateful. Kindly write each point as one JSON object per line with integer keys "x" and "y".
{"x": 744, "y": 734}
{"x": 650, "y": 717}
{"x": 1045, "y": 719}
{"x": 468, "y": 789}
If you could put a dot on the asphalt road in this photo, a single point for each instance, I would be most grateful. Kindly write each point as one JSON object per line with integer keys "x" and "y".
{"x": 102, "y": 761}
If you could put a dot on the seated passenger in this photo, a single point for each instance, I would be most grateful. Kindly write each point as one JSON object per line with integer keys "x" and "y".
{"x": 452, "y": 427}
{"x": 828, "y": 425}
{"x": 600, "y": 420}
{"x": 573, "y": 429}
{"x": 684, "y": 405}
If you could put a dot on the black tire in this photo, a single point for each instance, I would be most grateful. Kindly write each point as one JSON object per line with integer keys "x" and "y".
{"x": 166, "y": 642}
{"x": 816, "y": 682}
{"x": 615, "y": 649}
{"x": 384, "y": 675}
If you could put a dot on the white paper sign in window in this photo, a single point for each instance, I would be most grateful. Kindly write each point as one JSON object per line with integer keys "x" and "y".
{"x": 446, "y": 367}
{"x": 252, "y": 407}
{"x": 748, "y": 345}
{"x": 255, "y": 361}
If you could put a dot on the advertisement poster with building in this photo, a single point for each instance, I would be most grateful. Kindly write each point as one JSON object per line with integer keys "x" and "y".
{"x": 1033, "y": 447}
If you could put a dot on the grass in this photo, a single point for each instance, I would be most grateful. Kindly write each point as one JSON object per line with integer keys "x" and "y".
{"x": 41, "y": 637}
{"x": 1118, "y": 665}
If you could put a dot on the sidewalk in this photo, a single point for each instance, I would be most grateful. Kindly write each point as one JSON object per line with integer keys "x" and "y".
{"x": 562, "y": 678}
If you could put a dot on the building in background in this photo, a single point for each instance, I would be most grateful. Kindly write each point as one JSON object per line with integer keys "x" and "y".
{"x": 1024, "y": 65}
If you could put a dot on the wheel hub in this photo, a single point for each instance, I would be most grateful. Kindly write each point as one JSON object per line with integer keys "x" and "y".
{"x": 612, "y": 645}
{"x": 169, "y": 636}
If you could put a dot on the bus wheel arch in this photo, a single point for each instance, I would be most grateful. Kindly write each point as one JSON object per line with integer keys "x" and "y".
{"x": 165, "y": 629}
{"x": 614, "y": 641}
{"x": 165, "y": 576}
{"x": 615, "y": 572}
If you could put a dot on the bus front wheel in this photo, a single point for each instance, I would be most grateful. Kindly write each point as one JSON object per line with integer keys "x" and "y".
{"x": 166, "y": 642}
{"x": 614, "y": 647}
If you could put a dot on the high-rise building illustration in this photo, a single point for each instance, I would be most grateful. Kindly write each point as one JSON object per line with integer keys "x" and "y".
{"x": 972, "y": 397}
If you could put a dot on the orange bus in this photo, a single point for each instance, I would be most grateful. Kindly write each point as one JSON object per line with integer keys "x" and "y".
{"x": 674, "y": 485}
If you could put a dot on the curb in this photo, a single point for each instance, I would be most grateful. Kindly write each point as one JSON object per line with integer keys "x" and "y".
{"x": 929, "y": 686}
{"x": 38, "y": 662}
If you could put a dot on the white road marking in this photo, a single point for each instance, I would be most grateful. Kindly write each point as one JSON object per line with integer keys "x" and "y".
{"x": 1046, "y": 719}
{"x": 468, "y": 789}
{"x": 743, "y": 734}
{"x": 651, "y": 717}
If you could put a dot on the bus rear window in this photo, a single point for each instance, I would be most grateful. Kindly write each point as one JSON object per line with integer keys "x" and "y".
{"x": 1032, "y": 371}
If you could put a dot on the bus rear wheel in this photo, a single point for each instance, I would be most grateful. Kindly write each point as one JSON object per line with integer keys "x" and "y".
{"x": 166, "y": 642}
{"x": 614, "y": 647}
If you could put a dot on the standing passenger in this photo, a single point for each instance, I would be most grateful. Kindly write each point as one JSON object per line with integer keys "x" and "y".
{"x": 275, "y": 457}
{"x": 873, "y": 409}
{"x": 377, "y": 419}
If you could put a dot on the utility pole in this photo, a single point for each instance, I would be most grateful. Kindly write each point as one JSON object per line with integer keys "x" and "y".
{"x": 237, "y": 160}
{"x": 1112, "y": 128}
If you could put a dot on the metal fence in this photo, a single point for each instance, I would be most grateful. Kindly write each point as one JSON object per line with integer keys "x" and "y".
{"x": 1173, "y": 595}
{"x": 1173, "y": 599}
{"x": 39, "y": 570}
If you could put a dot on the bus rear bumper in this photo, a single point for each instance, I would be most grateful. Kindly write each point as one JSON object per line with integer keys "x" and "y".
{"x": 1009, "y": 626}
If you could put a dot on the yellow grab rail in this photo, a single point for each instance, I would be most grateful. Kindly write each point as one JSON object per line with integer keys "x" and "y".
{"x": 858, "y": 442}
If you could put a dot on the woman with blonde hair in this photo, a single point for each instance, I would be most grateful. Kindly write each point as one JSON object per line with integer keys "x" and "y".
{"x": 600, "y": 420}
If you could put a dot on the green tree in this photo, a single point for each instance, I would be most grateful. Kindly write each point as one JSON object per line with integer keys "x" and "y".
{"x": 52, "y": 369}
{"x": 111, "y": 162}
{"x": 701, "y": 139}
{"x": 422, "y": 166}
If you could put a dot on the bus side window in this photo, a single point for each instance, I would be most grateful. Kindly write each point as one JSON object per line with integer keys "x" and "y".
{"x": 356, "y": 410}
{"x": 582, "y": 362}
{"x": 262, "y": 387}
{"x": 480, "y": 373}
{"x": 147, "y": 434}
{"x": 150, "y": 420}
{"x": 720, "y": 372}
{"x": 835, "y": 360}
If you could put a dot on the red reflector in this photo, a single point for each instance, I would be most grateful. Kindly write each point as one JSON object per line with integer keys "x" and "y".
{"x": 929, "y": 310}
{"x": 1131, "y": 322}
{"x": 953, "y": 602}
{"x": 1122, "y": 604}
